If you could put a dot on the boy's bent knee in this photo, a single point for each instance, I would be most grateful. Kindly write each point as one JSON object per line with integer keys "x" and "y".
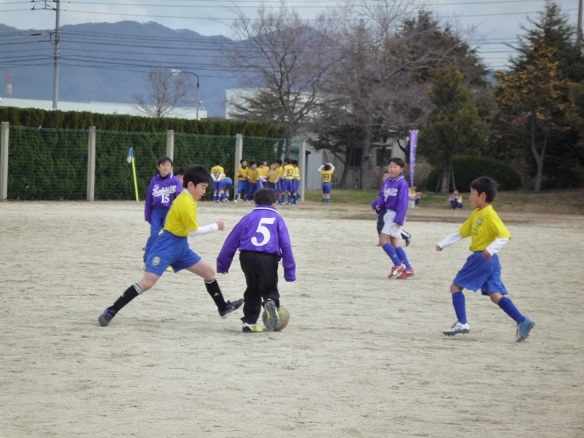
{"x": 455, "y": 288}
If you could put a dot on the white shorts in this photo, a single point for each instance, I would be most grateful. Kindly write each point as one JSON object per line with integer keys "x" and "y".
{"x": 389, "y": 226}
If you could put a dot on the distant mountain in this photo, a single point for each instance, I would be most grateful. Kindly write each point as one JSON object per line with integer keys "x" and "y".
{"x": 109, "y": 62}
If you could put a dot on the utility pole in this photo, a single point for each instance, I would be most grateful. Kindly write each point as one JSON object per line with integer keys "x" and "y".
{"x": 579, "y": 32}
{"x": 55, "y": 39}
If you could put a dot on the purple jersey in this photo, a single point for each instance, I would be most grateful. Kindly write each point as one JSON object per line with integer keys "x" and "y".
{"x": 394, "y": 196}
{"x": 161, "y": 192}
{"x": 262, "y": 230}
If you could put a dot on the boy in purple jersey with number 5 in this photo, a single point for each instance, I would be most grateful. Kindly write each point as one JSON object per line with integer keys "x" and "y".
{"x": 262, "y": 239}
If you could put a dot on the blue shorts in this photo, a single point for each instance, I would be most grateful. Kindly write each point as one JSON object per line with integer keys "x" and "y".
{"x": 484, "y": 274}
{"x": 170, "y": 250}
{"x": 241, "y": 186}
{"x": 326, "y": 188}
{"x": 288, "y": 185}
{"x": 280, "y": 186}
{"x": 270, "y": 185}
{"x": 216, "y": 185}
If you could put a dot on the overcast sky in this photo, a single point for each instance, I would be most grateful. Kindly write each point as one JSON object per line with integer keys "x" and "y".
{"x": 497, "y": 21}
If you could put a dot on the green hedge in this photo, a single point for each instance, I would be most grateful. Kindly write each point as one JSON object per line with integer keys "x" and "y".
{"x": 466, "y": 169}
{"x": 48, "y": 150}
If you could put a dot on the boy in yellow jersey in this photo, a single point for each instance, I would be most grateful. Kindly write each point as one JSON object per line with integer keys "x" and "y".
{"x": 482, "y": 269}
{"x": 217, "y": 174}
{"x": 253, "y": 181}
{"x": 288, "y": 177}
{"x": 171, "y": 248}
{"x": 263, "y": 171}
{"x": 279, "y": 180}
{"x": 241, "y": 179}
{"x": 296, "y": 184}
{"x": 326, "y": 173}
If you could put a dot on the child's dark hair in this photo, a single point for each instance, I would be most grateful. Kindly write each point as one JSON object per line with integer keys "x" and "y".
{"x": 180, "y": 171}
{"x": 327, "y": 166}
{"x": 265, "y": 196}
{"x": 242, "y": 161}
{"x": 401, "y": 163}
{"x": 278, "y": 161}
{"x": 486, "y": 185}
{"x": 163, "y": 160}
{"x": 295, "y": 162}
{"x": 196, "y": 174}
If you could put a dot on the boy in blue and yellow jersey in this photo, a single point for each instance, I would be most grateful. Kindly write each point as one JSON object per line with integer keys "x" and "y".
{"x": 262, "y": 239}
{"x": 164, "y": 187}
{"x": 272, "y": 177}
{"x": 253, "y": 180}
{"x": 326, "y": 173}
{"x": 288, "y": 185}
{"x": 393, "y": 198}
{"x": 296, "y": 184}
{"x": 279, "y": 180}
{"x": 263, "y": 171}
{"x": 241, "y": 178}
{"x": 482, "y": 269}
{"x": 171, "y": 248}
{"x": 226, "y": 184}
{"x": 217, "y": 174}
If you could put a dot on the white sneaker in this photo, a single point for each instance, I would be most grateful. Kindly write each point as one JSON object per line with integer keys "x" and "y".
{"x": 235, "y": 201}
{"x": 457, "y": 328}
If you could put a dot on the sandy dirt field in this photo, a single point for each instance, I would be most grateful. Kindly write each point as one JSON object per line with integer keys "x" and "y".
{"x": 363, "y": 356}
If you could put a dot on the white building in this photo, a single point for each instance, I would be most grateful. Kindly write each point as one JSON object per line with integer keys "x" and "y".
{"x": 380, "y": 153}
{"x": 97, "y": 107}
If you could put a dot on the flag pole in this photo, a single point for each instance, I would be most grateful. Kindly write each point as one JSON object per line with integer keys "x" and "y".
{"x": 132, "y": 161}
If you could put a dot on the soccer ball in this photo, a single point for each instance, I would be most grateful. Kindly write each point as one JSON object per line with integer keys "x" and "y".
{"x": 284, "y": 317}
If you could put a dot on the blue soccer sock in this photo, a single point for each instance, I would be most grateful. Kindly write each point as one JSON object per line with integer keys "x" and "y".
{"x": 459, "y": 303}
{"x": 403, "y": 257}
{"x": 509, "y": 308}
{"x": 390, "y": 251}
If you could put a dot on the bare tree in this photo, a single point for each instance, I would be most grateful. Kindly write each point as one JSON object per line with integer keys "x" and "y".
{"x": 380, "y": 89}
{"x": 285, "y": 61}
{"x": 168, "y": 88}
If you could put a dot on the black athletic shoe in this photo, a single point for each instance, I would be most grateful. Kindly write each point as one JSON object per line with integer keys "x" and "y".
{"x": 105, "y": 318}
{"x": 230, "y": 307}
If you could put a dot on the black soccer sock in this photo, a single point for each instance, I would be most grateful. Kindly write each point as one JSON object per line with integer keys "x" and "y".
{"x": 215, "y": 291}
{"x": 129, "y": 294}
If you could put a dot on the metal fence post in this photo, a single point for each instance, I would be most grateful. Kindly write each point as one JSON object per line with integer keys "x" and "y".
{"x": 170, "y": 144}
{"x": 91, "y": 164}
{"x": 238, "y": 155}
{"x": 4, "y": 160}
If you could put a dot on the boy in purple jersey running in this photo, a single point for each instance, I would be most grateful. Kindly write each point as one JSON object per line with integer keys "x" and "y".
{"x": 262, "y": 239}
{"x": 393, "y": 198}
{"x": 164, "y": 187}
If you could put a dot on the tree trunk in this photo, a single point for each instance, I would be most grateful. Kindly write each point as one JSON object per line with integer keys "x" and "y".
{"x": 445, "y": 179}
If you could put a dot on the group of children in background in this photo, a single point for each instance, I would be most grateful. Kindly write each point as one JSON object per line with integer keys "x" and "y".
{"x": 263, "y": 239}
{"x": 282, "y": 177}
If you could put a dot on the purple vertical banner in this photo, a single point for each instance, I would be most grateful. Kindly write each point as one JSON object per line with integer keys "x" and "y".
{"x": 413, "y": 147}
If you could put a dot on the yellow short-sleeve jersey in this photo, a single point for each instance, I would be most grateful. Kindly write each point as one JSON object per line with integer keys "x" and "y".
{"x": 217, "y": 171}
{"x": 252, "y": 175}
{"x": 288, "y": 171}
{"x": 182, "y": 216}
{"x": 326, "y": 175}
{"x": 296, "y": 173}
{"x": 483, "y": 227}
{"x": 242, "y": 174}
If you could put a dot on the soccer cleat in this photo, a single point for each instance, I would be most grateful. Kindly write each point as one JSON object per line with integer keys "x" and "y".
{"x": 407, "y": 237}
{"x": 230, "y": 307}
{"x": 524, "y": 328}
{"x": 273, "y": 319}
{"x": 406, "y": 274}
{"x": 396, "y": 271}
{"x": 105, "y": 318}
{"x": 251, "y": 328}
{"x": 457, "y": 328}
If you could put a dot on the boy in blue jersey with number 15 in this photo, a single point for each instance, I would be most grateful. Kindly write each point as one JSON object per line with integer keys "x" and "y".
{"x": 482, "y": 269}
{"x": 171, "y": 248}
{"x": 262, "y": 239}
